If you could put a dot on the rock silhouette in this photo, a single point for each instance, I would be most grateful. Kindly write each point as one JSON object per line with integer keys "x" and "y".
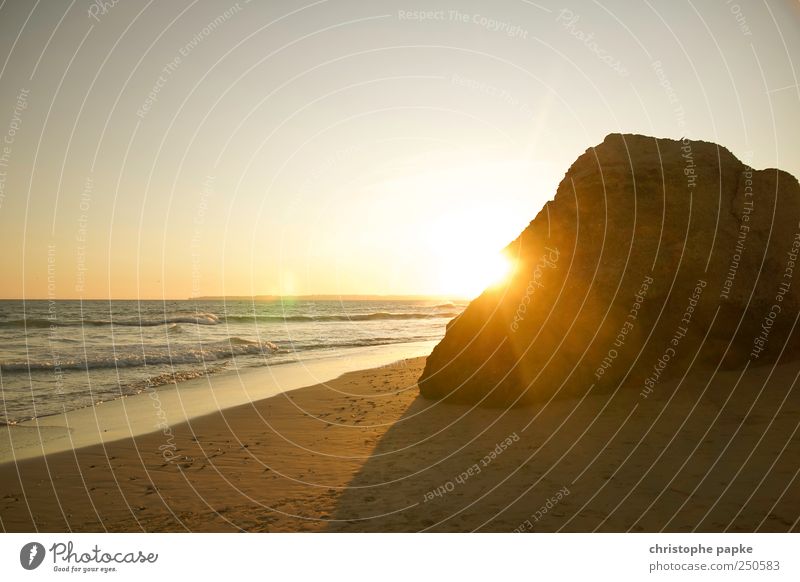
{"x": 654, "y": 257}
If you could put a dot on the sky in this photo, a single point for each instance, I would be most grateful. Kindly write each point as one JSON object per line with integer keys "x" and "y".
{"x": 189, "y": 148}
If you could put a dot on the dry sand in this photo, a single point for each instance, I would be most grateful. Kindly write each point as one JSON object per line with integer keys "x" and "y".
{"x": 366, "y": 453}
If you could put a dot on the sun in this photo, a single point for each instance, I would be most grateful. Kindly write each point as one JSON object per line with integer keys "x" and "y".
{"x": 468, "y": 274}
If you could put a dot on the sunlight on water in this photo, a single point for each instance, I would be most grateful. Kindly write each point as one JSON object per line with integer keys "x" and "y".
{"x": 66, "y": 355}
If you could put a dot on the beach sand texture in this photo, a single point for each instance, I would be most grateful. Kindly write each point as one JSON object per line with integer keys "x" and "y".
{"x": 366, "y": 453}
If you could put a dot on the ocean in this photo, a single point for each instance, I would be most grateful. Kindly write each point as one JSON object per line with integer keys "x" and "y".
{"x": 57, "y": 356}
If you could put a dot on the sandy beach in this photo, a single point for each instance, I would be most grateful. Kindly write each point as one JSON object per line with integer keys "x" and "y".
{"x": 365, "y": 452}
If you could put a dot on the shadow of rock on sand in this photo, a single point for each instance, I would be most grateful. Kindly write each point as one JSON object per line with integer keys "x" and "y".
{"x": 676, "y": 461}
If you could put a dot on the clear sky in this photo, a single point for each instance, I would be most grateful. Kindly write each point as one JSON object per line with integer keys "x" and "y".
{"x": 171, "y": 149}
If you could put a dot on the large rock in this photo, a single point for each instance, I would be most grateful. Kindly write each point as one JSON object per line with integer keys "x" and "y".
{"x": 654, "y": 255}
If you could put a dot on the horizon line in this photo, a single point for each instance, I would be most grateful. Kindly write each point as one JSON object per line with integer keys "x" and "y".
{"x": 265, "y": 297}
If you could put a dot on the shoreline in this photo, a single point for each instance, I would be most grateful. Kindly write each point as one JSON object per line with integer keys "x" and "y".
{"x": 156, "y": 410}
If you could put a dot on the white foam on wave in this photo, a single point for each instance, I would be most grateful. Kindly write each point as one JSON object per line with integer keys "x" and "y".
{"x": 124, "y": 357}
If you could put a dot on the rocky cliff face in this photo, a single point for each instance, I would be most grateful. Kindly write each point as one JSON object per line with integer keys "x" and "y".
{"x": 655, "y": 255}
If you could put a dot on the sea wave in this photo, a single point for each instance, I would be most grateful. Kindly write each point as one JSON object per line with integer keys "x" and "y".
{"x": 196, "y": 318}
{"x": 212, "y": 319}
{"x": 353, "y": 317}
{"x": 124, "y": 358}
{"x": 301, "y": 346}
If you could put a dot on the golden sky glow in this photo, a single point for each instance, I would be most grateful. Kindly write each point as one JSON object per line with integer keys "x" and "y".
{"x": 345, "y": 148}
